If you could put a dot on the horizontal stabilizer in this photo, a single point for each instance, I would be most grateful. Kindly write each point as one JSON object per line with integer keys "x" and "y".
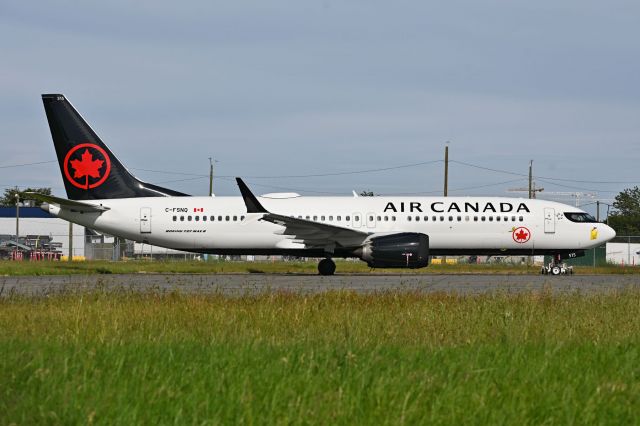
{"x": 67, "y": 204}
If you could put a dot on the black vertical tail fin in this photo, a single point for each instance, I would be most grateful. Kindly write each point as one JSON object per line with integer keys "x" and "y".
{"x": 89, "y": 170}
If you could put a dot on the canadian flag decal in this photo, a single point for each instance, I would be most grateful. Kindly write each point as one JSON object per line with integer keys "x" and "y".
{"x": 198, "y": 209}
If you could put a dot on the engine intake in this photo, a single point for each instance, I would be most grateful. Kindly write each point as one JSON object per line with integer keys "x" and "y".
{"x": 403, "y": 250}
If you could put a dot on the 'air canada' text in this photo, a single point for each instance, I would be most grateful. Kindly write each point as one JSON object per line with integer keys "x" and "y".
{"x": 441, "y": 207}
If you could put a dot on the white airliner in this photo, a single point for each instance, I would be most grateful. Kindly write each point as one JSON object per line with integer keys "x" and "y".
{"x": 385, "y": 232}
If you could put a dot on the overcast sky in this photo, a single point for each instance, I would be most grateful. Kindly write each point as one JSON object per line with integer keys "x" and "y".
{"x": 299, "y": 88}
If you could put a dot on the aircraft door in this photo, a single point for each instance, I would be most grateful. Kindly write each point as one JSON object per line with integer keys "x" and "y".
{"x": 371, "y": 220}
{"x": 549, "y": 220}
{"x": 145, "y": 220}
{"x": 356, "y": 220}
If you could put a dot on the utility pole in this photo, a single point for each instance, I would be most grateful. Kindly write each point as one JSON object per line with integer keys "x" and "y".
{"x": 210, "y": 177}
{"x": 530, "y": 179}
{"x": 446, "y": 169}
{"x": 70, "y": 242}
{"x": 17, "y": 217}
{"x": 446, "y": 181}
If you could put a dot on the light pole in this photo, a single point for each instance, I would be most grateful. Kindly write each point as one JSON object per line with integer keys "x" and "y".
{"x": 212, "y": 161}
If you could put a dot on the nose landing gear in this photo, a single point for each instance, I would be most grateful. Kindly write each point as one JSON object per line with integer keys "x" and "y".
{"x": 326, "y": 267}
{"x": 556, "y": 267}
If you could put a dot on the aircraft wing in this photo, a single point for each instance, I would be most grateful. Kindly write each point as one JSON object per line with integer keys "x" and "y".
{"x": 79, "y": 206}
{"x": 312, "y": 234}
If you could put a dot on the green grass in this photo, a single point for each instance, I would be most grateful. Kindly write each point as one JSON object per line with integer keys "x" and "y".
{"x": 280, "y": 267}
{"x": 333, "y": 358}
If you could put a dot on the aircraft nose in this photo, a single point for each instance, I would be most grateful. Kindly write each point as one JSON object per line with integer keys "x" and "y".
{"x": 608, "y": 233}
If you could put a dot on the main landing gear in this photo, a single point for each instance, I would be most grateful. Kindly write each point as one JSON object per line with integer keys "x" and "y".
{"x": 326, "y": 266}
{"x": 556, "y": 267}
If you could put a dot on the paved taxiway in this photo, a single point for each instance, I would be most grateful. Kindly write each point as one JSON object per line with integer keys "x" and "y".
{"x": 241, "y": 284}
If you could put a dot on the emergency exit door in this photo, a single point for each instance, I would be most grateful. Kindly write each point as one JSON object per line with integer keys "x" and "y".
{"x": 357, "y": 220}
{"x": 549, "y": 220}
{"x": 145, "y": 220}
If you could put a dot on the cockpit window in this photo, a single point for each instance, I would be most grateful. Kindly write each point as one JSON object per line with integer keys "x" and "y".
{"x": 581, "y": 217}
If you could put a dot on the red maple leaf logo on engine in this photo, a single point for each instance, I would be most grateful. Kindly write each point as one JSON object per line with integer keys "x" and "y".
{"x": 521, "y": 235}
{"x": 88, "y": 165}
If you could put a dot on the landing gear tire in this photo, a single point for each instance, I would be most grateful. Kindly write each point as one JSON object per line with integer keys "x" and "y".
{"x": 326, "y": 267}
{"x": 556, "y": 270}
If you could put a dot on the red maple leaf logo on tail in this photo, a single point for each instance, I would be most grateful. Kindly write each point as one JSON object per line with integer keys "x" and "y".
{"x": 86, "y": 167}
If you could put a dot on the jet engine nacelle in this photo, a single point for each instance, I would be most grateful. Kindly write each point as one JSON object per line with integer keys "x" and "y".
{"x": 402, "y": 250}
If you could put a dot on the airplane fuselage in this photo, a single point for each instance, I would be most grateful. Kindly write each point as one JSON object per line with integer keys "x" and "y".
{"x": 455, "y": 225}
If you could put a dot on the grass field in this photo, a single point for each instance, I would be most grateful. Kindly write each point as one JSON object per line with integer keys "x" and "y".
{"x": 334, "y": 358}
{"x": 280, "y": 267}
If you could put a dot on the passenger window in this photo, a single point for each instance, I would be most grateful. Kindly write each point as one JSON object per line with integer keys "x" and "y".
{"x": 347, "y": 218}
{"x": 459, "y": 218}
{"x": 356, "y": 218}
{"x": 521, "y": 218}
{"x": 497, "y": 218}
{"x": 370, "y": 218}
{"x": 513, "y": 218}
{"x": 175, "y": 218}
{"x": 393, "y": 218}
{"x": 241, "y": 217}
{"x": 475, "y": 218}
{"x": 386, "y": 218}
{"x": 409, "y": 218}
{"x": 235, "y": 218}
{"x": 212, "y": 218}
{"x": 338, "y": 218}
{"x": 204, "y": 218}
{"x": 417, "y": 218}
{"x": 450, "y": 218}
{"x": 330, "y": 218}
{"x": 219, "y": 218}
{"x": 307, "y": 217}
{"x": 181, "y": 218}
{"x": 315, "y": 218}
{"x": 466, "y": 218}
{"x": 197, "y": 218}
{"x": 322, "y": 218}
{"x": 490, "y": 218}
{"x": 434, "y": 218}
{"x": 506, "y": 218}
{"x": 379, "y": 218}
{"x": 189, "y": 218}
{"x": 226, "y": 218}
{"x": 426, "y": 218}
{"x": 483, "y": 218}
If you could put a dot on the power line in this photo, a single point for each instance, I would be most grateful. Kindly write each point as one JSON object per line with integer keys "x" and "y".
{"x": 457, "y": 189}
{"x": 353, "y": 172}
{"x": 284, "y": 188}
{"x": 8, "y": 166}
{"x": 169, "y": 173}
{"x": 541, "y": 177}
{"x": 574, "y": 187}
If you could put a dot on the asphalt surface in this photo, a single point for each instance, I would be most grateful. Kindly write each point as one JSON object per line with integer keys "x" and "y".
{"x": 250, "y": 284}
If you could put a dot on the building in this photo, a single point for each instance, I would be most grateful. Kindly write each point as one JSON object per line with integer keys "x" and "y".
{"x": 41, "y": 233}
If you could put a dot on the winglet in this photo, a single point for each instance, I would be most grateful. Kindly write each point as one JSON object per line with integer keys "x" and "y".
{"x": 250, "y": 200}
